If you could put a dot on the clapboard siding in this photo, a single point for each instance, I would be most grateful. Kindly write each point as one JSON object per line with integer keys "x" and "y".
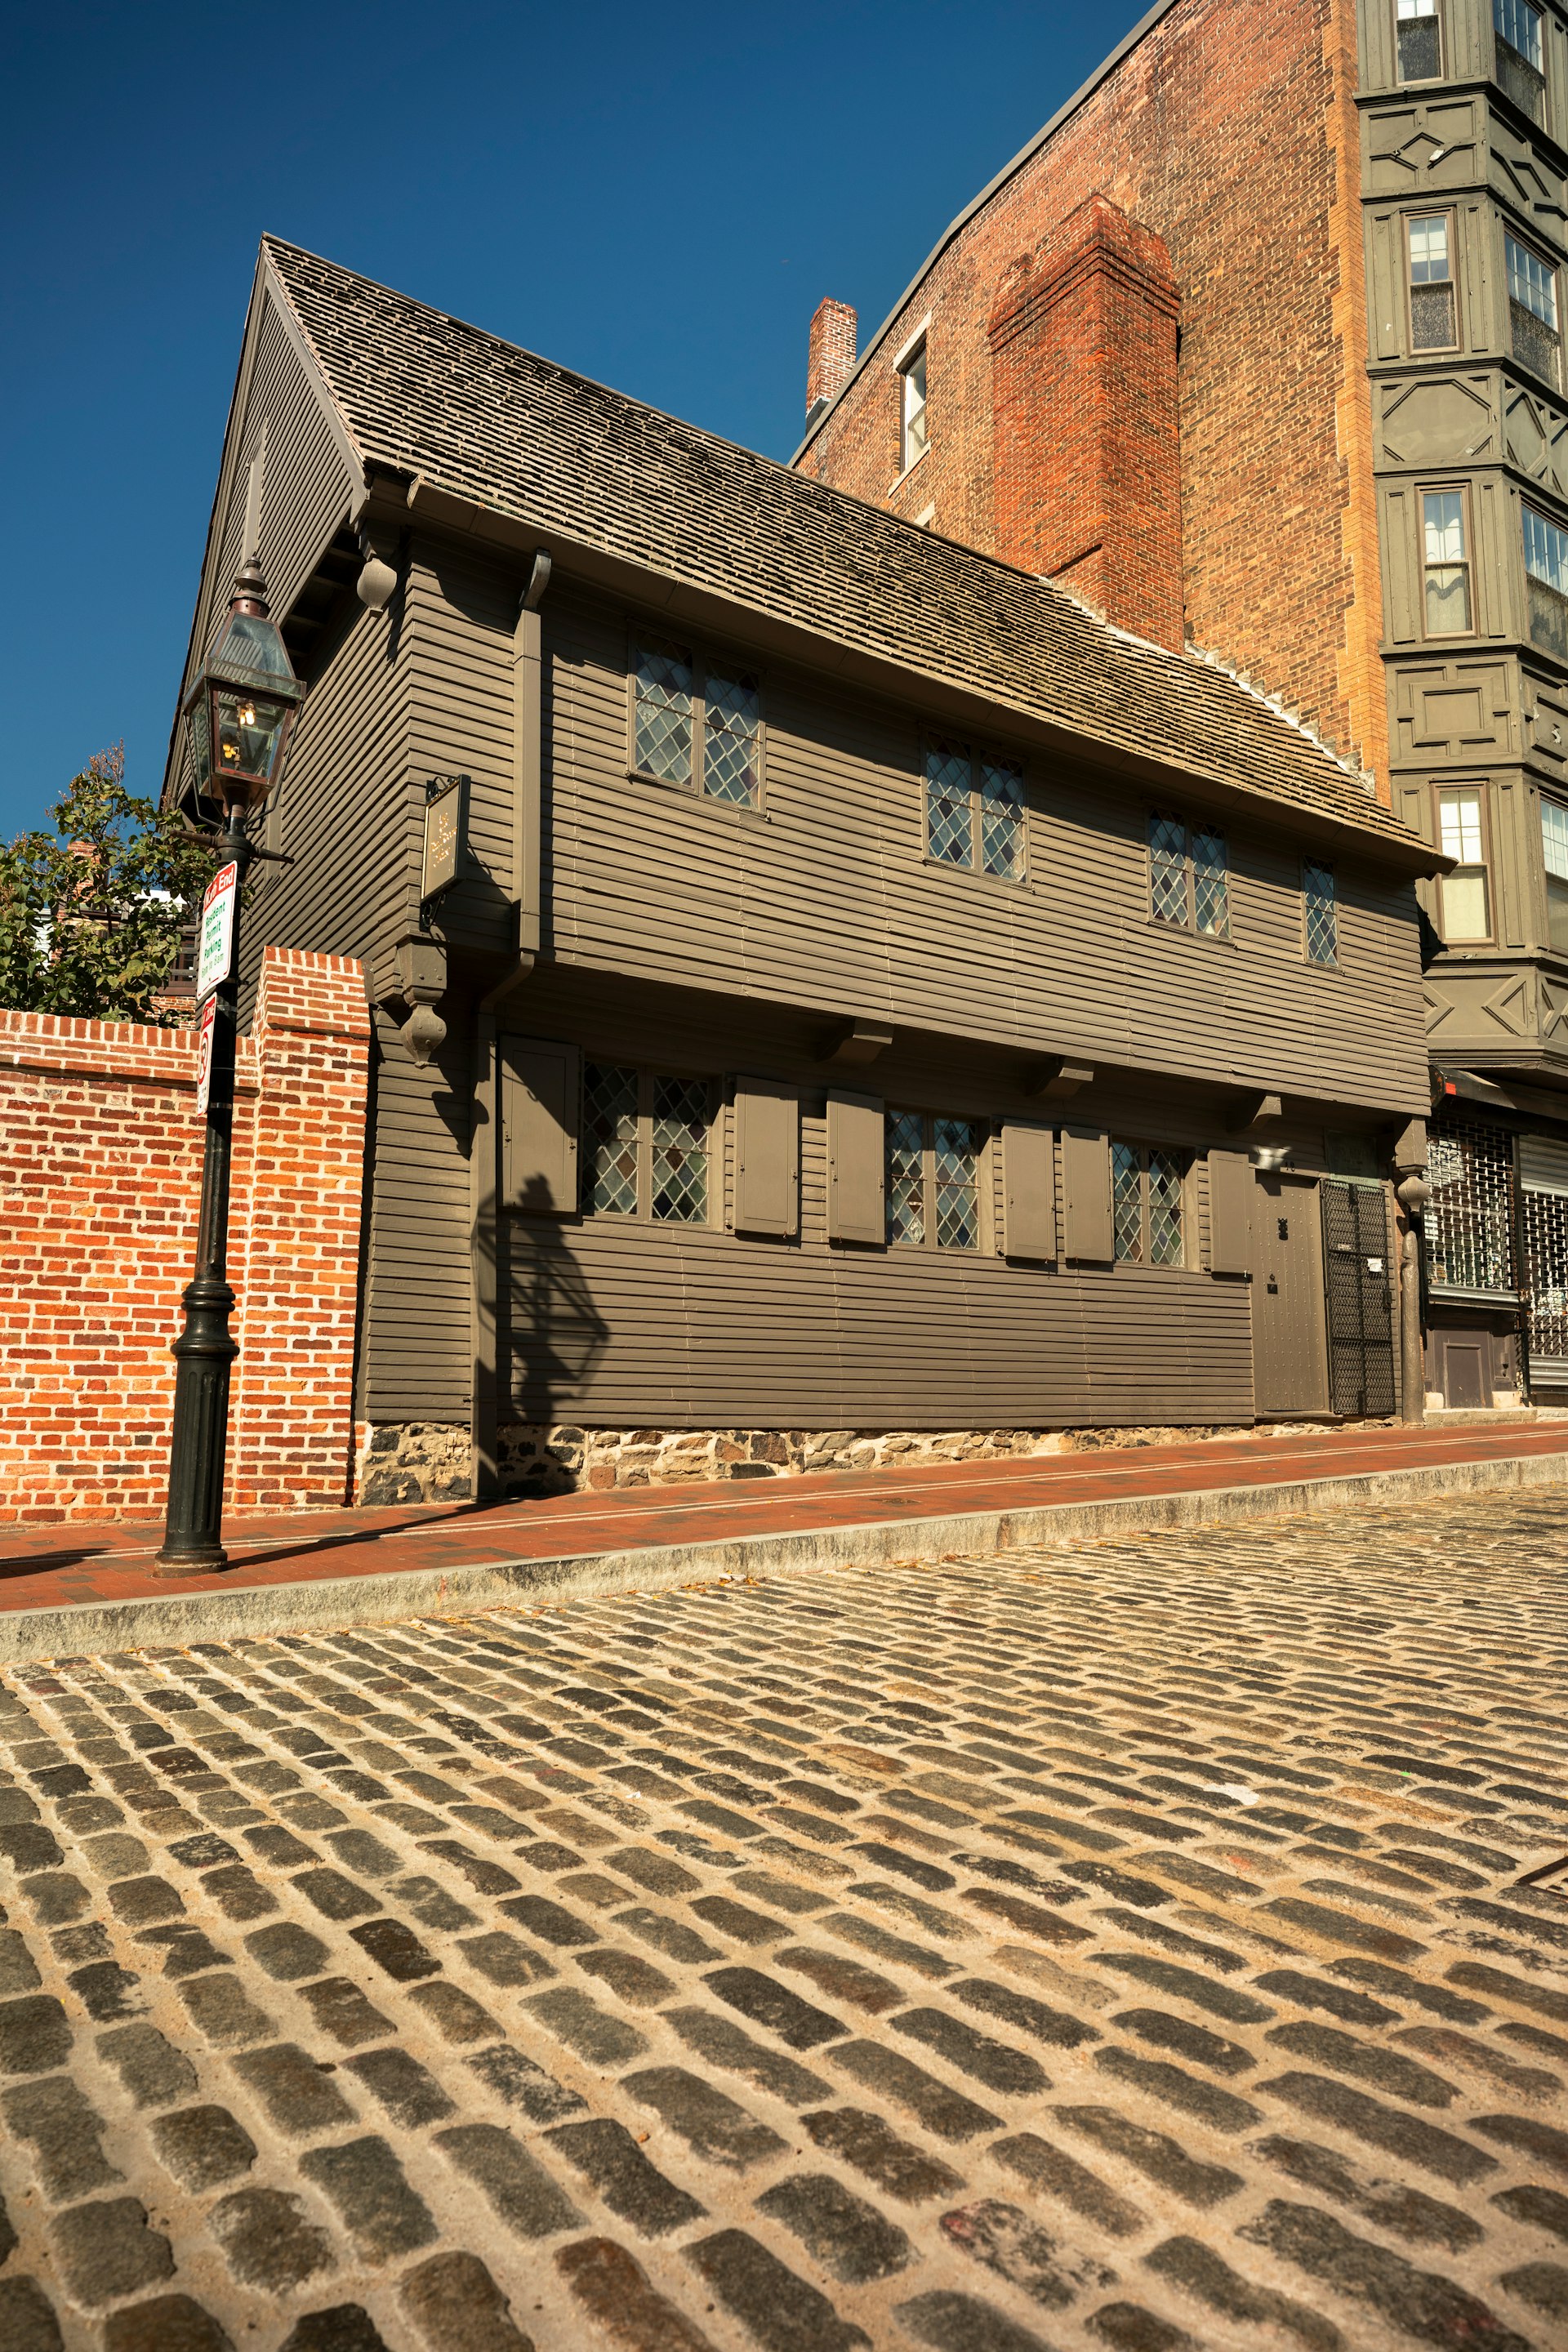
{"x": 823, "y": 898}
{"x": 459, "y": 614}
{"x": 416, "y": 1361}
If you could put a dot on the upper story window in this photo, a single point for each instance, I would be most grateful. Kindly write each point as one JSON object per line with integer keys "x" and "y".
{"x": 1521, "y": 54}
{"x": 1532, "y": 309}
{"x": 1446, "y": 561}
{"x": 1188, "y": 876}
{"x": 974, "y": 809}
{"x": 1146, "y": 1188}
{"x": 645, "y": 1140}
{"x": 1461, "y": 835}
{"x": 1434, "y": 313}
{"x": 1554, "y": 856}
{"x": 1546, "y": 582}
{"x": 695, "y": 723}
{"x": 913, "y": 435}
{"x": 933, "y": 1180}
{"x": 1320, "y": 912}
{"x": 1418, "y": 40}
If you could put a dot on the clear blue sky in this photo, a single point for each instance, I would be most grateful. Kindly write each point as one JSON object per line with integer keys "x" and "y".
{"x": 657, "y": 198}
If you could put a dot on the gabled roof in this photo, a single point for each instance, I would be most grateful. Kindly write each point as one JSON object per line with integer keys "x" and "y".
{"x": 489, "y": 425}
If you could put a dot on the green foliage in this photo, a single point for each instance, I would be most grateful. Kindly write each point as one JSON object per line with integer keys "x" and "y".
{"x": 90, "y": 914}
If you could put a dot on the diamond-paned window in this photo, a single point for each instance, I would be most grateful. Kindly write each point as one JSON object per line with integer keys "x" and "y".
{"x": 1002, "y": 817}
{"x": 662, "y": 735}
{"x": 1211, "y": 886}
{"x": 610, "y": 1140}
{"x": 975, "y": 810}
{"x": 1165, "y": 1174}
{"x": 733, "y": 710}
{"x": 906, "y": 1176}
{"x": 696, "y": 723}
{"x": 1321, "y": 911}
{"x": 680, "y": 1150}
{"x": 1167, "y": 868}
{"x": 1127, "y": 1199}
{"x": 955, "y": 1150}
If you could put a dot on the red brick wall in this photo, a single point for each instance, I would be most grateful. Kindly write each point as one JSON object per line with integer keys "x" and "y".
{"x": 1229, "y": 130}
{"x": 100, "y": 1146}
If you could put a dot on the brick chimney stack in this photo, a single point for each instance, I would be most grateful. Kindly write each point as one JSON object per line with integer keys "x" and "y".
{"x": 830, "y": 362}
{"x": 1087, "y": 458}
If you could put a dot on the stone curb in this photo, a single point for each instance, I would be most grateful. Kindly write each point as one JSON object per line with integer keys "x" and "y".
{"x": 91, "y": 1628}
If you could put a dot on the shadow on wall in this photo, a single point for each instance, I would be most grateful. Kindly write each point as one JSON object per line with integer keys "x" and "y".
{"x": 555, "y": 1335}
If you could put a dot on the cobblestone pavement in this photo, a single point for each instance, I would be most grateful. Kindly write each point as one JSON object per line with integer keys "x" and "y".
{"x": 1116, "y": 1945}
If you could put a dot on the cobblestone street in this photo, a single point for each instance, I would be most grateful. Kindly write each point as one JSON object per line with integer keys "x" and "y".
{"x": 1116, "y": 1946}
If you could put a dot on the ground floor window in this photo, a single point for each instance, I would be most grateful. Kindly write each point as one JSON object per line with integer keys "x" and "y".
{"x": 645, "y": 1140}
{"x": 1146, "y": 1188}
{"x": 1470, "y": 1219}
{"x": 933, "y": 1180}
{"x": 1546, "y": 1273}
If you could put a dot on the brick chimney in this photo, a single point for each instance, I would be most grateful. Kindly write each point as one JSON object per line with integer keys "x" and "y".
{"x": 1086, "y": 460}
{"x": 830, "y": 361}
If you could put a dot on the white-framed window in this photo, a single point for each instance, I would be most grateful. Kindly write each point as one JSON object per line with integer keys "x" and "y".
{"x": 933, "y": 1164}
{"x": 1319, "y": 909}
{"x": 1147, "y": 1188}
{"x": 974, "y": 809}
{"x": 1189, "y": 874}
{"x": 646, "y": 1144}
{"x": 1461, "y": 835}
{"x": 1521, "y": 54}
{"x": 1434, "y": 312}
{"x": 1546, "y": 582}
{"x": 1446, "y": 563}
{"x": 1534, "y": 332}
{"x": 695, "y": 722}
{"x": 1418, "y": 40}
{"x": 913, "y": 434}
{"x": 1554, "y": 857}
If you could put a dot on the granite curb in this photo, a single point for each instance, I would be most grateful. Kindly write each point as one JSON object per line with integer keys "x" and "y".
{"x": 94, "y": 1627}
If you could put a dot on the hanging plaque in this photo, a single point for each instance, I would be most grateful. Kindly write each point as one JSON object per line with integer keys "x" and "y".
{"x": 444, "y": 815}
{"x": 215, "y": 958}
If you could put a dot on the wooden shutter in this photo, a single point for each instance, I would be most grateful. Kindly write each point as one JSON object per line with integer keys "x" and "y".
{"x": 1028, "y": 1191}
{"x": 1230, "y": 1213}
{"x": 767, "y": 1157}
{"x": 857, "y": 1180}
{"x": 1086, "y": 1194}
{"x": 539, "y": 1099}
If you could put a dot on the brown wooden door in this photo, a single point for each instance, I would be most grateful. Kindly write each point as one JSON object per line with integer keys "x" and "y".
{"x": 1290, "y": 1367}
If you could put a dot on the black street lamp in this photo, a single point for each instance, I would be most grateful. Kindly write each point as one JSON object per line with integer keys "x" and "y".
{"x": 237, "y": 715}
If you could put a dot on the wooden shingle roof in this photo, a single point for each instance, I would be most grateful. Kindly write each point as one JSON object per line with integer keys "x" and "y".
{"x": 491, "y": 424}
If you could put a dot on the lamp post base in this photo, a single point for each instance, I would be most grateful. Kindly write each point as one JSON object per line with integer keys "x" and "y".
{"x": 202, "y": 1561}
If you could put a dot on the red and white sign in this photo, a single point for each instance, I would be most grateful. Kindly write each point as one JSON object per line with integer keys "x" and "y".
{"x": 205, "y": 1055}
{"x": 216, "y": 953}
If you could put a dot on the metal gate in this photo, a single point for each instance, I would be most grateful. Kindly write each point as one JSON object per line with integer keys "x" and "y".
{"x": 1359, "y": 1299}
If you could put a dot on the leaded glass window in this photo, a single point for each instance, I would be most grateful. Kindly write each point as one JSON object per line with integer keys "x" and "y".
{"x": 1532, "y": 309}
{"x": 1419, "y": 40}
{"x": 662, "y": 745}
{"x": 1321, "y": 912}
{"x": 696, "y": 723}
{"x": 1211, "y": 888}
{"x": 1433, "y": 316}
{"x": 1168, "y": 869}
{"x": 975, "y": 810}
{"x": 610, "y": 1140}
{"x": 645, "y": 1138}
{"x": 1147, "y": 1194}
{"x": 1468, "y": 1222}
{"x": 1188, "y": 876}
{"x": 1521, "y": 54}
{"x": 1546, "y": 579}
{"x": 933, "y": 1164}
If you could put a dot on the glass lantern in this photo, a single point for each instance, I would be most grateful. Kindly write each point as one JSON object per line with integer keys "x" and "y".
{"x": 238, "y": 712}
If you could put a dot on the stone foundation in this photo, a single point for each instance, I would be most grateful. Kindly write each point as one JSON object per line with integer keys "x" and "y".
{"x": 414, "y": 1462}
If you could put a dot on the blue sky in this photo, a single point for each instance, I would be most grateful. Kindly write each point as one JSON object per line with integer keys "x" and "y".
{"x": 658, "y": 199}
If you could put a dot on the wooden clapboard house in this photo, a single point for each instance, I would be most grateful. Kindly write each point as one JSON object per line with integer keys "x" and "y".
{"x": 867, "y": 976}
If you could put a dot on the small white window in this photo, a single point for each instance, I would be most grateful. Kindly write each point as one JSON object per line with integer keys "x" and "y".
{"x": 1466, "y": 915}
{"x": 913, "y": 377}
{"x": 1446, "y": 558}
{"x": 1419, "y": 36}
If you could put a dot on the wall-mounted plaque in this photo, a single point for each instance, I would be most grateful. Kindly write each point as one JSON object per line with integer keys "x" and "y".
{"x": 446, "y": 811}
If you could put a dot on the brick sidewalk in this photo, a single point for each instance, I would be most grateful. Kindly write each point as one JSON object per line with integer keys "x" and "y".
{"x": 1111, "y": 1946}
{"x": 64, "y": 1564}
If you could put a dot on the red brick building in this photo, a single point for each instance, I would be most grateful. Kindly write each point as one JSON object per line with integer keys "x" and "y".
{"x": 1258, "y": 344}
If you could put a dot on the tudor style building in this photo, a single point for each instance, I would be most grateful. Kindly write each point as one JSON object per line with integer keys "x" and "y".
{"x": 866, "y": 974}
{"x": 1352, "y": 474}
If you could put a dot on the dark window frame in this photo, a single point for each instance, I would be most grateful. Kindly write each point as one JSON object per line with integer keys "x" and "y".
{"x": 1433, "y": 17}
{"x": 1515, "y": 73}
{"x": 1483, "y": 866}
{"x": 1546, "y": 603}
{"x": 1556, "y": 884}
{"x": 1320, "y": 964}
{"x": 704, "y": 662}
{"x": 1448, "y": 218}
{"x": 979, "y": 756}
{"x": 1181, "y": 1160}
{"x": 1466, "y": 565}
{"x": 1188, "y": 919}
{"x": 981, "y": 1129}
{"x": 1550, "y": 331}
{"x": 647, "y": 1078}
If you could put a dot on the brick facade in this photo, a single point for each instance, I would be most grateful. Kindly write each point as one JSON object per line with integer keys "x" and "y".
{"x": 101, "y": 1148}
{"x": 1229, "y": 134}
